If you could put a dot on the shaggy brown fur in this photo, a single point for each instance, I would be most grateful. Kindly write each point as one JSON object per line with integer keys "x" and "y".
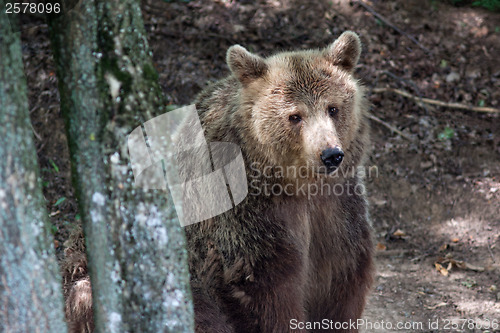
{"x": 299, "y": 254}
{"x": 76, "y": 285}
{"x": 293, "y": 254}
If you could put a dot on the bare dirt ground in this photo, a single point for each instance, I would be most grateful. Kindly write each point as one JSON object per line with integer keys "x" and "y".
{"x": 435, "y": 194}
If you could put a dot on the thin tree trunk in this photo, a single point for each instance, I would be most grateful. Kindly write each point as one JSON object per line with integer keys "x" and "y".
{"x": 135, "y": 246}
{"x": 30, "y": 283}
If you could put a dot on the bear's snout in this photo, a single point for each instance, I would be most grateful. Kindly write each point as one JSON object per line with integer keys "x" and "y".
{"x": 332, "y": 157}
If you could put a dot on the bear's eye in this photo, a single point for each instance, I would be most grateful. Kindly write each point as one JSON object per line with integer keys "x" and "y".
{"x": 295, "y": 118}
{"x": 332, "y": 111}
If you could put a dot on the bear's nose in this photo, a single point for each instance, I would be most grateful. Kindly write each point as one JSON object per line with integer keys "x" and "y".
{"x": 332, "y": 157}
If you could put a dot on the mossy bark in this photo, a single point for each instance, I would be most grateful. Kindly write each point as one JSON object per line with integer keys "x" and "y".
{"x": 135, "y": 246}
{"x": 30, "y": 283}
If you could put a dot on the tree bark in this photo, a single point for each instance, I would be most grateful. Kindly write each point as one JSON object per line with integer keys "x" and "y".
{"x": 135, "y": 246}
{"x": 30, "y": 283}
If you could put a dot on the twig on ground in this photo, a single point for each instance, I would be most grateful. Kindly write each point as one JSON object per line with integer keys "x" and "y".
{"x": 399, "y": 253}
{"x": 437, "y": 102}
{"x": 383, "y": 19}
{"x": 407, "y": 81}
{"x": 392, "y": 128}
{"x": 39, "y": 138}
{"x": 491, "y": 252}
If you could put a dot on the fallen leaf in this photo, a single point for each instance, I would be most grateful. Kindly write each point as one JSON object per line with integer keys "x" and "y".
{"x": 457, "y": 263}
{"x": 436, "y": 306}
{"x": 441, "y": 269}
{"x": 399, "y": 233}
{"x": 426, "y": 165}
{"x": 443, "y": 247}
{"x": 381, "y": 247}
{"x": 450, "y": 265}
{"x": 379, "y": 202}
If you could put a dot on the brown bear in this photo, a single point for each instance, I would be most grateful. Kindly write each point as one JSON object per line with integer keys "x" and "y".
{"x": 296, "y": 253}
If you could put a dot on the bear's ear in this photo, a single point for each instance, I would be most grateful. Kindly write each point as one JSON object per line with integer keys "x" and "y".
{"x": 345, "y": 51}
{"x": 245, "y": 65}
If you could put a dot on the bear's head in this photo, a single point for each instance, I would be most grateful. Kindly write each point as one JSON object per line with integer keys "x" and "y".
{"x": 302, "y": 109}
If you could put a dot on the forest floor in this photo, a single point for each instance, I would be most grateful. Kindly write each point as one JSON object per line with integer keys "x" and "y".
{"x": 435, "y": 194}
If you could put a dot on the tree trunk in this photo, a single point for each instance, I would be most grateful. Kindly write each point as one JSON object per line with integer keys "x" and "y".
{"x": 135, "y": 246}
{"x": 30, "y": 283}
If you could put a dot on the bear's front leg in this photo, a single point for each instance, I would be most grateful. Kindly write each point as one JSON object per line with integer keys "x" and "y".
{"x": 348, "y": 300}
{"x": 269, "y": 292}
{"x": 269, "y": 305}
